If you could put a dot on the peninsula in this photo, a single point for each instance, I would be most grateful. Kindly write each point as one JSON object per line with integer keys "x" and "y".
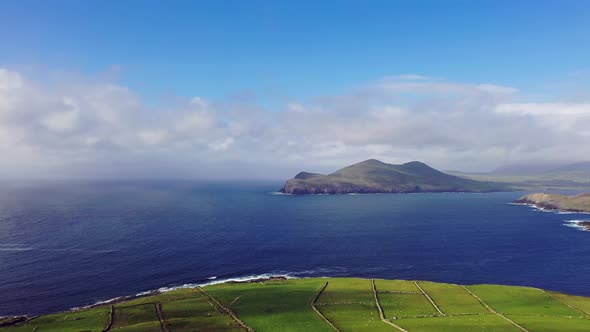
{"x": 578, "y": 203}
{"x": 374, "y": 176}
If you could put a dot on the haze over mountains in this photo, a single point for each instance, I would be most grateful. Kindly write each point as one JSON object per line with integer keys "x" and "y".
{"x": 374, "y": 176}
{"x": 551, "y": 175}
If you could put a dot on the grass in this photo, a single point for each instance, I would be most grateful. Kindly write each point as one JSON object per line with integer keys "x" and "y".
{"x": 405, "y": 305}
{"x": 273, "y": 306}
{"x": 348, "y": 290}
{"x": 196, "y": 314}
{"x": 552, "y": 324}
{"x": 354, "y": 317}
{"x": 579, "y": 302}
{"x": 347, "y": 303}
{"x": 383, "y": 285}
{"x": 473, "y": 323}
{"x": 521, "y": 301}
{"x": 453, "y": 299}
{"x": 141, "y": 317}
{"x": 87, "y": 320}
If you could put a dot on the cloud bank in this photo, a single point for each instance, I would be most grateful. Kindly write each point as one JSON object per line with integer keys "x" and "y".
{"x": 81, "y": 128}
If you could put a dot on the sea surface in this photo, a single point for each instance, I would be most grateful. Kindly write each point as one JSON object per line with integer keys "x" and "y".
{"x": 69, "y": 244}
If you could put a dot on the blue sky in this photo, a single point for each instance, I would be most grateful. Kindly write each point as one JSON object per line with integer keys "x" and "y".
{"x": 298, "y": 48}
{"x": 259, "y": 89}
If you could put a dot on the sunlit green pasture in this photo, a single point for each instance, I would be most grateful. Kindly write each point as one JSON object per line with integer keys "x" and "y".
{"x": 521, "y": 301}
{"x": 453, "y": 299}
{"x": 344, "y": 304}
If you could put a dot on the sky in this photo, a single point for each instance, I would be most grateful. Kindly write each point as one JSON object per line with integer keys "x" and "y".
{"x": 264, "y": 89}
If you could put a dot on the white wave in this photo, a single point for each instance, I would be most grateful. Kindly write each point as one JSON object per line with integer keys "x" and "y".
{"x": 12, "y": 248}
{"x": 109, "y": 301}
{"x": 185, "y": 286}
{"x": 215, "y": 281}
{"x": 567, "y": 212}
{"x": 16, "y": 249}
{"x": 278, "y": 193}
{"x": 320, "y": 271}
{"x": 576, "y": 224}
{"x": 542, "y": 209}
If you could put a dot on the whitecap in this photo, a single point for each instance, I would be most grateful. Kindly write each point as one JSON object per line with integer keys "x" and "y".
{"x": 576, "y": 224}
{"x": 185, "y": 286}
{"x": 16, "y": 249}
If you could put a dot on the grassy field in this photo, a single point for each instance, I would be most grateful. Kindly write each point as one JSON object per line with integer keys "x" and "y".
{"x": 396, "y": 286}
{"x": 273, "y": 305}
{"x": 348, "y": 290}
{"x": 355, "y": 317}
{"x": 453, "y": 299}
{"x": 479, "y": 323}
{"x": 89, "y": 320}
{"x": 406, "y": 305}
{"x": 522, "y": 301}
{"x": 551, "y": 324}
{"x": 330, "y": 304}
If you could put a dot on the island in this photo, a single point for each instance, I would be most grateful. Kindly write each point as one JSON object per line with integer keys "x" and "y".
{"x": 374, "y": 176}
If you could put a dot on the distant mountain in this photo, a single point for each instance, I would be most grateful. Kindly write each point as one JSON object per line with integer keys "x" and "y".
{"x": 541, "y": 176}
{"x": 374, "y": 176}
{"x": 543, "y": 169}
{"x": 523, "y": 169}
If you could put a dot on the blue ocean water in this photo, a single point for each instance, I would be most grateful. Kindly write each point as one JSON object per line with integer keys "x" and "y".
{"x": 67, "y": 244}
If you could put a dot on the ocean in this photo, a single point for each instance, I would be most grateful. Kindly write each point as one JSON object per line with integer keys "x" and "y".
{"x": 74, "y": 243}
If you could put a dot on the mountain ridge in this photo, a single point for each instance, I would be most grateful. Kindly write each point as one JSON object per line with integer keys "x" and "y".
{"x": 375, "y": 176}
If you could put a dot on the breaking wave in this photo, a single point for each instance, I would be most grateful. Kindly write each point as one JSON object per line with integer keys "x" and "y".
{"x": 576, "y": 224}
{"x": 214, "y": 281}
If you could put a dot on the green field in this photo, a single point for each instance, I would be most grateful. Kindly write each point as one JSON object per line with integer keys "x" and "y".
{"x": 522, "y": 301}
{"x": 453, "y": 299}
{"x": 330, "y": 304}
{"x": 406, "y": 305}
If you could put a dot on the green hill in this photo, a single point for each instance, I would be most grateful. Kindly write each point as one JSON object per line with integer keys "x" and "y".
{"x": 330, "y": 304}
{"x": 374, "y": 176}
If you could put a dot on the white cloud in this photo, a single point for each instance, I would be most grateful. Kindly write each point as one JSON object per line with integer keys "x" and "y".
{"x": 63, "y": 121}
{"x": 222, "y": 145}
{"x": 104, "y": 129}
{"x": 411, "y": 77}
{"x": 10, "y": 79}
{"x": 498, "y": 89}
{"x": 151, "y": 136}
{"x": 557, "y": 109}
{"x": 567, "y": 118}
{"x": 195, "y": 121}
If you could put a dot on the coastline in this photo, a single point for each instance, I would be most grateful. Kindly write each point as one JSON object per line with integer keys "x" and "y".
{"x": 548, "y": 208}
{"x": 16, "y": 319}
{"x": 582, "y": 225}
{"x": 161, "y": 290}
{"x": 7, "y": 321}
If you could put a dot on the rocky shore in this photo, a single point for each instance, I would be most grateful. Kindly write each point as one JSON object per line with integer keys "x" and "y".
{"x": 579, "y": 203}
